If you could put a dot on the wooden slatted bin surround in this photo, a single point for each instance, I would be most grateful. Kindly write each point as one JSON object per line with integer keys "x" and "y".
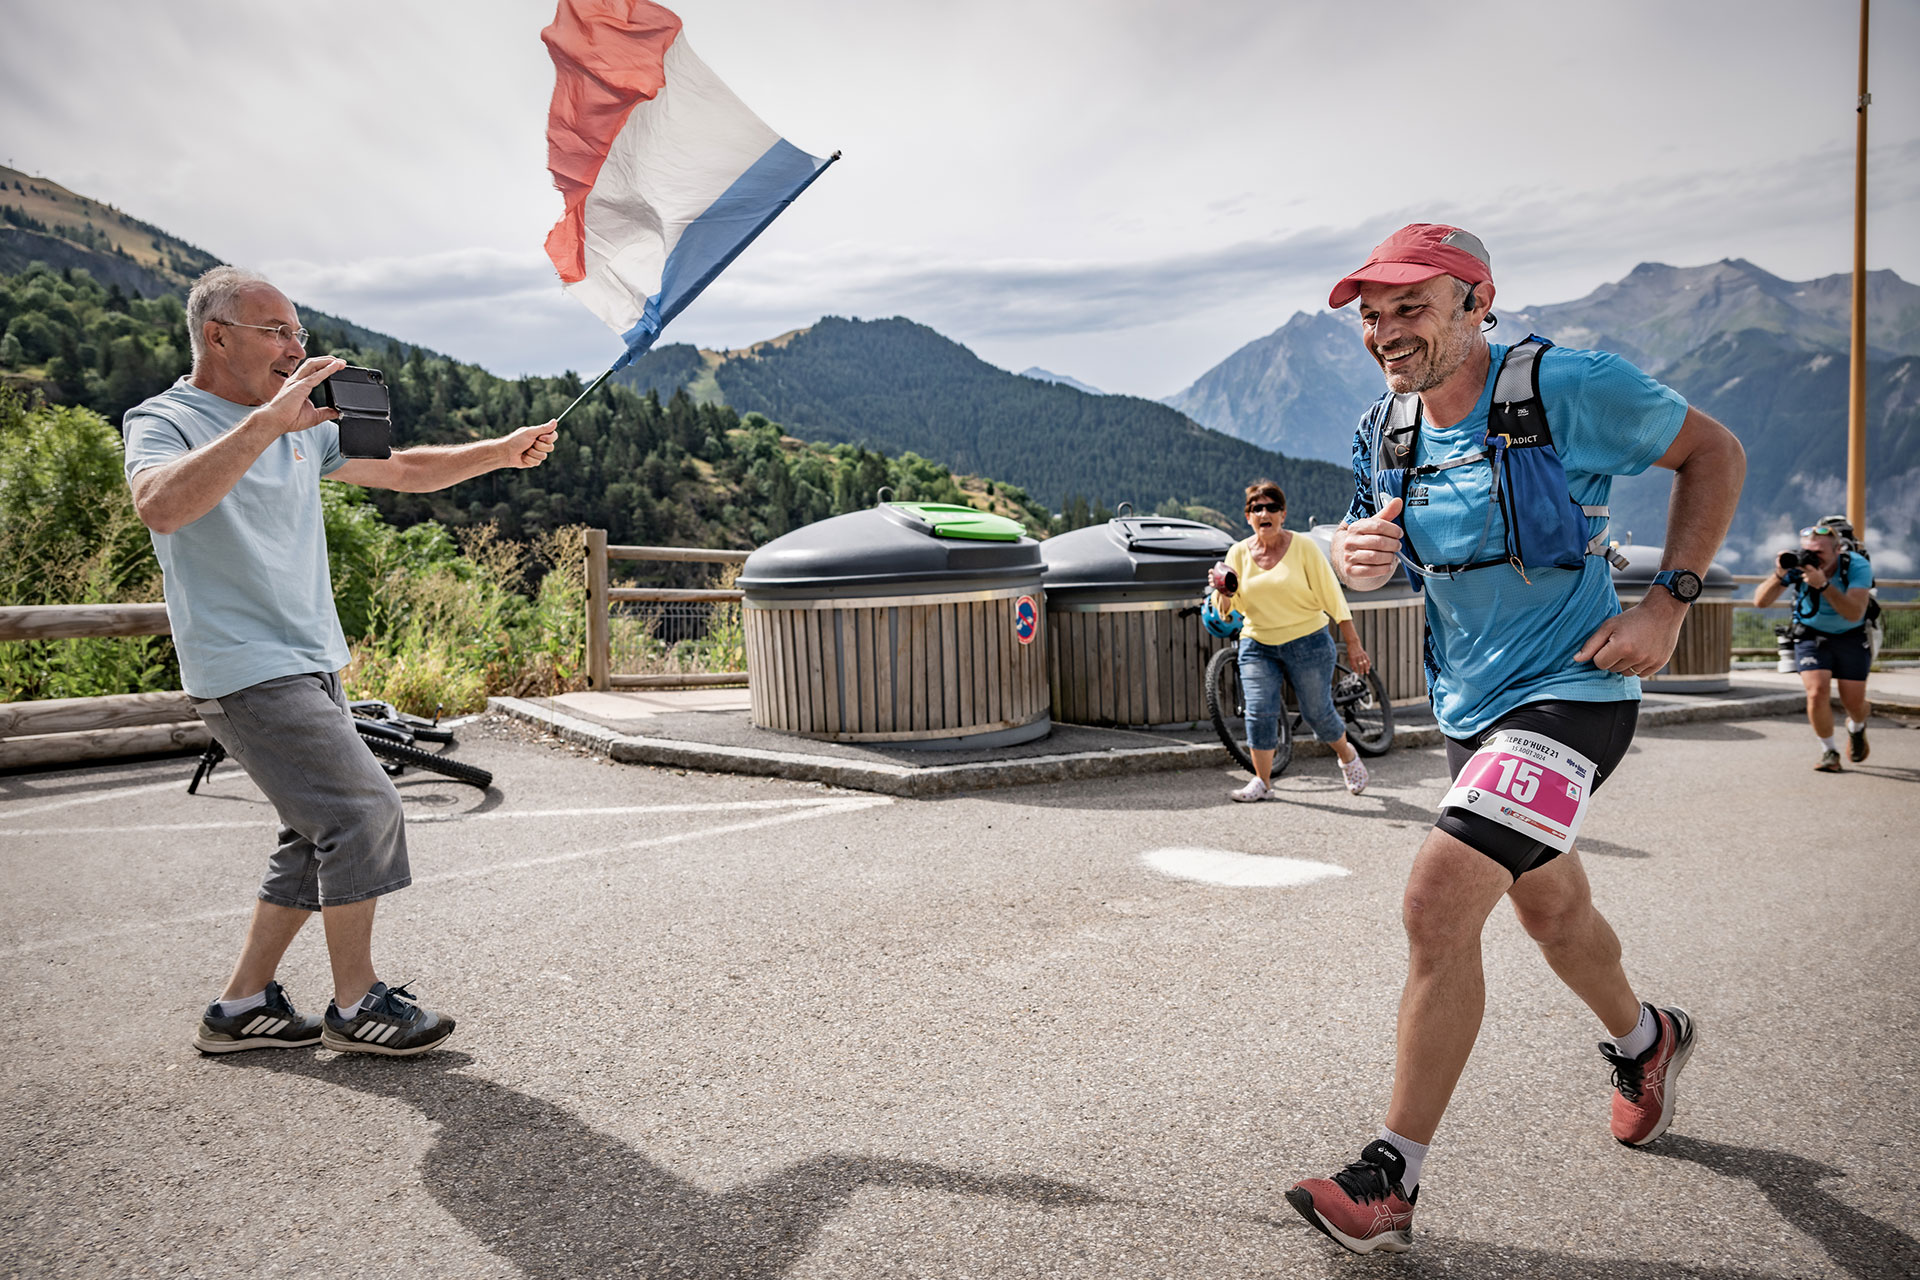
{"x": 1392, "y": 623}
{"x": 874, "y": 627}
{"x": 1702, "y": 659}
{"x": 1118, "y": 651}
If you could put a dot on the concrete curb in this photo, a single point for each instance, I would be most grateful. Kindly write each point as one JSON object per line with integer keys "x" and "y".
{"x": 930, "y": 780}
{"x": 886, "y": 779}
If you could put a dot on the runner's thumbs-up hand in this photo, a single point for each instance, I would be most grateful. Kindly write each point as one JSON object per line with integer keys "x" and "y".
{"x": 1366, "y": 551}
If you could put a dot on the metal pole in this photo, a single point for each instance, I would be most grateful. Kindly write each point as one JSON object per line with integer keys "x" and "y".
{"x": 584, "y": 394}
{"x": 1857, "y": 386}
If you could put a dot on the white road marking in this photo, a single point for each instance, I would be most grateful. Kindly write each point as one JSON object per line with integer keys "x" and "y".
{"x": 438, "y": 819}
{"x": 1240, "y": 870}
{"x": 816, "y": 809}
{"x": 116, "y": 793}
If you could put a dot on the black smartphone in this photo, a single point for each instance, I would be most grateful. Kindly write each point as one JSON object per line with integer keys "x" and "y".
{"x": 366, "y": 411}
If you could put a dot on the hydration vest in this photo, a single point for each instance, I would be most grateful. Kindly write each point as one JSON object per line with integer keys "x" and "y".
{"x": 1546, "y": 527}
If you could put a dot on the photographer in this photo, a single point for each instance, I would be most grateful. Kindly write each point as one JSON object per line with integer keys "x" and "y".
{"x": 1830, "y": 641}
{"x": 225, "y": 470}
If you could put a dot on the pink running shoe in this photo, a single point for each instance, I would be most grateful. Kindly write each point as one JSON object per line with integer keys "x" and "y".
{"x": 1644, "y": 1086}
{"x": 1363, "y": 1207}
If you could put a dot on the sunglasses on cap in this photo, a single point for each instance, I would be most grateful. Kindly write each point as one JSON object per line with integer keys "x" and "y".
{"x": 1268, "y": 507}
{"x": 1817, "y": 530}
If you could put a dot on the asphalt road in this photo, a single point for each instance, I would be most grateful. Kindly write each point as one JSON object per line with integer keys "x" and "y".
{"x": 721, "y": 1027}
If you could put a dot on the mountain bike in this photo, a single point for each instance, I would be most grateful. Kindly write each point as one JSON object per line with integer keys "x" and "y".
{"x": 1360, "y": 700}
{"x": 389, "y": 735}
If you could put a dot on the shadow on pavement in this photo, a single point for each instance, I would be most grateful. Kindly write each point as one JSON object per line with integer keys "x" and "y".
{"x": 1702, "y": 731}
{"x": 1441, "y": 1256}
{"x": 557, "y": 1198}
{"x": 1861, "y": 1246}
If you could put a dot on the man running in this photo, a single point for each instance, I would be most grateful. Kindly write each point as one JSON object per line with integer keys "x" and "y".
{"x": 1531, "y": 664}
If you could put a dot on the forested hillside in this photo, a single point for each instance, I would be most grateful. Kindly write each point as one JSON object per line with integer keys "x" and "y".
{"x": 895, "y": 385}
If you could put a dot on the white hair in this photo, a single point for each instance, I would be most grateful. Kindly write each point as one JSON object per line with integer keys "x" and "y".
{"x": 212, "y": 299}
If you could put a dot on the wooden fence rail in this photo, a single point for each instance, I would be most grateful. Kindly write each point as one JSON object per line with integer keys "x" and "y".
{"x": 601, "y": 597}
{"x": 64, "y": 730}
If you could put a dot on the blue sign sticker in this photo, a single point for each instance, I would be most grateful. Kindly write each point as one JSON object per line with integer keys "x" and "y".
{"x": 1026, "y": 619}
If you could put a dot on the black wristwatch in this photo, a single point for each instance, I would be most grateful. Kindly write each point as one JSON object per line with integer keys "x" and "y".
{"x": 1683, "y": 583}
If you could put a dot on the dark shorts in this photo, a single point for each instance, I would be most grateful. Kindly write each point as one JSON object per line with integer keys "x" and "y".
{"x": 1848, "y": 654}
{"x": 1600, "y": 731}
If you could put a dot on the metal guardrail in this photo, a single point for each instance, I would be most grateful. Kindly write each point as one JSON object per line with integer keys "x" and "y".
{"x": 601, "y": 596}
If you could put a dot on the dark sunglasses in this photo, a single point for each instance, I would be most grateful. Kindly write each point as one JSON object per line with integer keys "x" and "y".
{"x": 1268, "y": 507}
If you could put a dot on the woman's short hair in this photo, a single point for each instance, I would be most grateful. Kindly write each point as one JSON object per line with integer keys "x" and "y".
{"x": 1266, "y": 491}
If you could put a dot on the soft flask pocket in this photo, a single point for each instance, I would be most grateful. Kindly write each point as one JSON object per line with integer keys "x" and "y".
{"x": 1545, "y": 527}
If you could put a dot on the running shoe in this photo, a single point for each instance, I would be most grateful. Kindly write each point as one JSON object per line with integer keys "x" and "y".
{"x": 1363, "y": 1207}
{"x": 1354, "y": 771}
{"x": 1857, "y": 744}
{"x": 394, "y": 1025}
{"x": 273, "y": 1025}
{"x": 1829, "y": 762}
{"x": 1255, "y": 790}
{"x": 1643, "y": 1087}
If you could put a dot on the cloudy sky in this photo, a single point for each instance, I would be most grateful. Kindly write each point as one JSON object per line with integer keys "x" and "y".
{"x": 1120, "y": 190}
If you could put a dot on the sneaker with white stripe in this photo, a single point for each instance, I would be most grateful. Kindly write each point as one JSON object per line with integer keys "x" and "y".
{"x": 394, "y": 1025}
{"x": 273, "y": 1025}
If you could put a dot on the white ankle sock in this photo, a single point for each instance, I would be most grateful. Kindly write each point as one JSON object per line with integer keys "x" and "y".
{"x": 240, "y": 1004}
{"x": 1641, "y": 1038}
{"x": 1829, "y": 743}
{"x": 1414, "y": 1153}
{"x": 353, "y": 1008}
{"x": 1854, "y": 726}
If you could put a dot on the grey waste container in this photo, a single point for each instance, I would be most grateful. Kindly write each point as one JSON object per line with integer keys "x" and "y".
{"x": 913, "y": 624}
{"x": 1118, "y": 651}
{"x": 1702, "y": 660}
{"x": 1392, "y": 622}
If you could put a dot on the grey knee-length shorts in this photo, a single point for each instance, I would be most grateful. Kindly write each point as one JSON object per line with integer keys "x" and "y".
{"x": 343, "y": 837}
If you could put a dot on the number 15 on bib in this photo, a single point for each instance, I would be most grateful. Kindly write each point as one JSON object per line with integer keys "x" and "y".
{"x": 1528, "y": 782}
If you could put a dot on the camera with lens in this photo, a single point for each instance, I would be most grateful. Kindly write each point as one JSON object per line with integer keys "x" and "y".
{"x": 1794, "y": 563}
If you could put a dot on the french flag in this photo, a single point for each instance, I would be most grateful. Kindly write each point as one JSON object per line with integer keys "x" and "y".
{"x": 667, "y": 175}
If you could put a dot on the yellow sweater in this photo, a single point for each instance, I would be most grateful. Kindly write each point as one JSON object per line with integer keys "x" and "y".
{"x": 1295, "y": 598}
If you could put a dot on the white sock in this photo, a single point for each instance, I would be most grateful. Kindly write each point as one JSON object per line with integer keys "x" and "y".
{"x": 1829, "y": 743}
{"x": 1854, "y": 726}
{"x": 240, "y": 1004}
{"x": 354, "y": 1008}
{"x": 1414, "y": 1153}
{"x": 1641, "y": 1038}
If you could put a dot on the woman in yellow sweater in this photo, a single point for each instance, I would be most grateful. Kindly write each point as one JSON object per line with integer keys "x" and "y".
{"x": 1287, "y": 593}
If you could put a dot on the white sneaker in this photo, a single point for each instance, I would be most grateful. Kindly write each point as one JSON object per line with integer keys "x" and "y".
{"x": 1255, "y": 790}
{"x": 1355, "y": 773}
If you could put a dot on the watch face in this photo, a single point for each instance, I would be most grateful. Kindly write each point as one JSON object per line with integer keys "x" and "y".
{"x": 1686, "y": 585}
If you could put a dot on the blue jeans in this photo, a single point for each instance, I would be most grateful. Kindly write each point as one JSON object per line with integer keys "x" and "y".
{"x": 1308, "y": 664}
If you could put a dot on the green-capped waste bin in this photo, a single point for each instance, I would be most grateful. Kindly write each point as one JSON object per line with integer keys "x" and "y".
{"x": 915, "y": 624}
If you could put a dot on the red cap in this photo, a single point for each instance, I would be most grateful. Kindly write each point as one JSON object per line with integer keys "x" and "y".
{"x": 1418, "y": 252}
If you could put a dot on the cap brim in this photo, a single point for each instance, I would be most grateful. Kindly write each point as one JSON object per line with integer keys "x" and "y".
{"x": 1381, "y": 273}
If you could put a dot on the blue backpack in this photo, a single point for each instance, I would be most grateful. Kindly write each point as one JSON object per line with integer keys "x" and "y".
{"x": 1546, "y": 527}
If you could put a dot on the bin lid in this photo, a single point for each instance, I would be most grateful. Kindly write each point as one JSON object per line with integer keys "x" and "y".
{"x": 893, "y": 549}
{"x": 1643, "y": 562}
{"x": 1132, "y": 551}
{"x": 946, "y": 520}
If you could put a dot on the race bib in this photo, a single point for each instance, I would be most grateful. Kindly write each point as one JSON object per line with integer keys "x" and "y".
{"x": 1528, "y": 782}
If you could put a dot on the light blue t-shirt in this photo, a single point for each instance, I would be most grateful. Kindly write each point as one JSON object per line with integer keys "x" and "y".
{"x": 1827, "y": 619}
{"x": 1501, "y": 641}
{"x": 247, "y": 587}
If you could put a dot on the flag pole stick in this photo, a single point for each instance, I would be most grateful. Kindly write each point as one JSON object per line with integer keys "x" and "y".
{"x": 591, "y": 386}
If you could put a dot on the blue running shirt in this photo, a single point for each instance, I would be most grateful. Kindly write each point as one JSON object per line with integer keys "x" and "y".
{"x": 1500, "y": 641}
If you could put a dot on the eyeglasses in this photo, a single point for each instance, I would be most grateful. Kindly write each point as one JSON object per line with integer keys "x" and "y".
{"x": 1817, "y": 530}
{"x": 1268, "y": 507}
{"x": 279, "y": 331}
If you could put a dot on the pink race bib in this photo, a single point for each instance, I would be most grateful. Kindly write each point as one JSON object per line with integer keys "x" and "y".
{"x": 1528, "y": 782}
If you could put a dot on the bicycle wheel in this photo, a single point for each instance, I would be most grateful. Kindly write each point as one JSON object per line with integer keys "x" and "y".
{"x": 1363, "y": 705}
{"x": 1227, "y": 708}
{"x": 414, "y": 757}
